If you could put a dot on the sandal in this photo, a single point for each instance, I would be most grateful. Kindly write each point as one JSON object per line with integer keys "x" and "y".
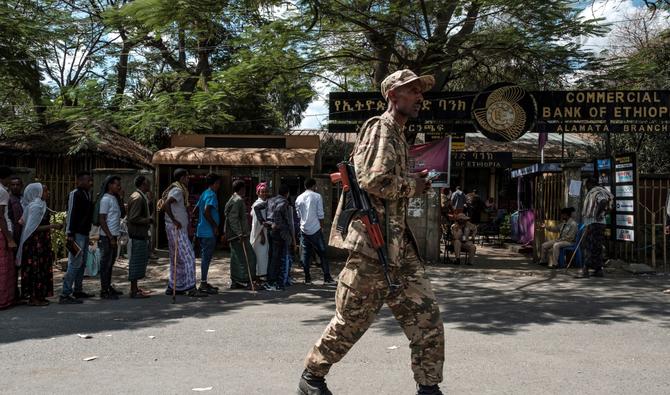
{"x": 139, "y": 295}
{"x": 145, "y": 291}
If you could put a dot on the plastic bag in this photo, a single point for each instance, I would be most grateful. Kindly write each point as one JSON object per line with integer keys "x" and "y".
{"x": 92, "y": 262}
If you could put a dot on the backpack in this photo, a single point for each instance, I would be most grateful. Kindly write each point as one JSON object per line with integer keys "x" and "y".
{"x": 95, "y": 221}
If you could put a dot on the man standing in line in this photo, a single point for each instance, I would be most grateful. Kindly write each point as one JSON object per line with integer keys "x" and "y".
{"x": 139, "y": 221}
{"x": 458, "y": 200}
{"x": 207, "y": 230}
{"x": 79, "y": 218}
{"x": 176, "y": 226}
{"x": 310, "y": 211}
{"x": 380, "y": 159}
{"x": 7, "y": 244}
{"x": 110, "y": 229}
{"x": 242, "y": 257}
{"x": 279, "y": 212}
{"x": 596, "y": 205}
{"x": 15, "y": 212}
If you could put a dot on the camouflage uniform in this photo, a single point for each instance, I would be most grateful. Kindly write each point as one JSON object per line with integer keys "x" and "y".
{"x": 380, "y": 159}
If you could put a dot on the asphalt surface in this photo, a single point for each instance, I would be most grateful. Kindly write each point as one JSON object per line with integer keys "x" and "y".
{"x": 508, "y": 331}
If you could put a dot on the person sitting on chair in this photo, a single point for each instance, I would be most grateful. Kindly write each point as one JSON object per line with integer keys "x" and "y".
{"x": 464, "y": 233}
{"x": 567, "y": 232}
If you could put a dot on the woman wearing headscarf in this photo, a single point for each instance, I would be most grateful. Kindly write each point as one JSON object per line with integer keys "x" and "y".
{"x": 34, "y": 253}
{"x": 259, "y": 233}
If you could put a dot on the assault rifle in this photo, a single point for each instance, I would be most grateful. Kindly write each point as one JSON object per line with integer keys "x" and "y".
{"x": 357, "y": 202}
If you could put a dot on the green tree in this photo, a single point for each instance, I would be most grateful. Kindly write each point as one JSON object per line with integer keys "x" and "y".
{"x": 22, "y": 36}
{"x": 639, "y": 58}
{"x": 454, "y": 40}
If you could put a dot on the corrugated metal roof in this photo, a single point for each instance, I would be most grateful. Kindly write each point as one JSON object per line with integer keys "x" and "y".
{"x": 265, "y": 157}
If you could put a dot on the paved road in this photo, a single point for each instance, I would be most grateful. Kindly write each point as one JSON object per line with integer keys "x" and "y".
{"x": 508, "y": 332}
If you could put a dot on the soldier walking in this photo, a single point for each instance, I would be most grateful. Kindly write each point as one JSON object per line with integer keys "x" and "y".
{"x": 380, "y": 159}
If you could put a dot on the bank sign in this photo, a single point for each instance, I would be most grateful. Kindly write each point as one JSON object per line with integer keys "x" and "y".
{"x": 504, "y": 112}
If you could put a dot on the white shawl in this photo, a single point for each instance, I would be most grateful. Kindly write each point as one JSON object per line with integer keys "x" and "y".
{"x": 33, "y": 212}
{"x": 256, "y": 226}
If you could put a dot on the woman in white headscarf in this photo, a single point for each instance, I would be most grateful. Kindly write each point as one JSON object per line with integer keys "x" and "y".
{"x": 259, "y": 234}
{"x": 34, "y": 253}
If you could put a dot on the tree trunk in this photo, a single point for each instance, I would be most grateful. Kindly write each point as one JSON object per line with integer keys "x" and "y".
{"x": 121, "y": 75}
{"x": 382, "y": 53}
{"x": 31, "y": 84}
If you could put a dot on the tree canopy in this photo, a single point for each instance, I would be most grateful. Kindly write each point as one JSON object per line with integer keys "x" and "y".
{"x": 154, "y": 68}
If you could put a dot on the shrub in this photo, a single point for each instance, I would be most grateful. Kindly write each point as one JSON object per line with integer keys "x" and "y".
{"x": 58, "y": 236}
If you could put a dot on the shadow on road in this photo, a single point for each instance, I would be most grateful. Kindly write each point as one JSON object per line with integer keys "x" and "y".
{"x": 478, "y": 301}
{"x": 506, "y": 305}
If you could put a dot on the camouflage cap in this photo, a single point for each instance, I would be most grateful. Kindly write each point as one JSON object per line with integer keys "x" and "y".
{"x": 404, "y": 77}
{"x": 462, "y": 217}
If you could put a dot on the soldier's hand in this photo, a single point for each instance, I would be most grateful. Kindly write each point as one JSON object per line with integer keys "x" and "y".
{"x": 422, "y": 185}
{"x": 422, "y": 174}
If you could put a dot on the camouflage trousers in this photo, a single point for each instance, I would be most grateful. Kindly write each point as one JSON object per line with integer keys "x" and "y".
{"x": 361, "y": 292}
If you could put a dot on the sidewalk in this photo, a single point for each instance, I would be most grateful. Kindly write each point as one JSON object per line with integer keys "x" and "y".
{"x": 489, "y": 260}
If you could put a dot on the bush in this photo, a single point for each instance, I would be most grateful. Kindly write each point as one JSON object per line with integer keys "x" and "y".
{"x": 58, "y": 236}
{"x": 506, "y": 227}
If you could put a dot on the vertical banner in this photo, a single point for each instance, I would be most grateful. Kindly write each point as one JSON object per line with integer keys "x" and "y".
{"x": 625, "y": 194}
{"x": 433, "y": 156}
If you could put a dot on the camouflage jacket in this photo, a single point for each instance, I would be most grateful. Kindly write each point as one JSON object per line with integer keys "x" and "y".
{"x": 380, "y": 158}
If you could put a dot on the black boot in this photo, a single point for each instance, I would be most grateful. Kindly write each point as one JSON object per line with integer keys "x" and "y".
{"x": 428, "y": 390}
{"x": 312, "y": 385}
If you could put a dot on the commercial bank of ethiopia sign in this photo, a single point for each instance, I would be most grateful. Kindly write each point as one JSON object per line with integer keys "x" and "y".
{"x": 504, "y": 112}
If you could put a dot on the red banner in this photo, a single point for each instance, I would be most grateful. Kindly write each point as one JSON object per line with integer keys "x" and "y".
{"x": 435, "y": 155}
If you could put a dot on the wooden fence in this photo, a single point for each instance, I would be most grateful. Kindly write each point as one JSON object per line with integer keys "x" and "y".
{"x": 58, "y": 173}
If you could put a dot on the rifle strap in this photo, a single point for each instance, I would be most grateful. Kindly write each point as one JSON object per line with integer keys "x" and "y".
{"x": 387, "y": 227}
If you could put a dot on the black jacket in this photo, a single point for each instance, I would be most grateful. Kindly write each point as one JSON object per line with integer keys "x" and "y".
{"x": 80, "y": 212}
{"x": 281, "y": 218}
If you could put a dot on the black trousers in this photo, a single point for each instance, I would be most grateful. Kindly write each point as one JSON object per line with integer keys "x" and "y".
{"x": 108, "y": 254}
{"x": 276, "y": 258}
{"x": 593, "y": 246}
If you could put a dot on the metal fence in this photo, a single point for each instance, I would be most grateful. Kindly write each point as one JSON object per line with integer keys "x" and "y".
{"x": 651, "y": 241}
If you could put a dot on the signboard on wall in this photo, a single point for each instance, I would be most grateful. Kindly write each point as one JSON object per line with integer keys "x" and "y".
{"x": 506, "y": 111}
{"x": 625, "y": 188}
{"x": 482, "y": 160}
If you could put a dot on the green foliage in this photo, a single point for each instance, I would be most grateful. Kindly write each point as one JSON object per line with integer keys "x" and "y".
{"x": 506, "y": 227}
{"x": 647, "y": 66}
{"x": 465, "y": 44}
{"x": 58, "y": 236}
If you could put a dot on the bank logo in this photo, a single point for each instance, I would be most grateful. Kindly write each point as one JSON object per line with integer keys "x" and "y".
{"x": 625, "y": 205}
{"x": 504, "y": 112}
{"x": 624, "y": 191}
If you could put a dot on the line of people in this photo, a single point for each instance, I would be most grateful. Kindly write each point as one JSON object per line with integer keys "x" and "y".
{"x": 262, "y": 241}
{"x": 261, "y": 250}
